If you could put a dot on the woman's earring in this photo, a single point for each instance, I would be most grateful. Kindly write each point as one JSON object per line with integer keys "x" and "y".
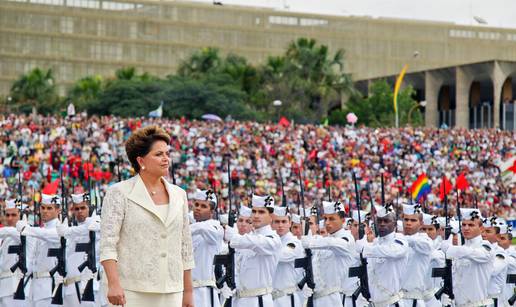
{"x": 143, "y": 167}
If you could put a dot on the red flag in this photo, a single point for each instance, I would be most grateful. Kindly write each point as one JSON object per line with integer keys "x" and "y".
{"x": 445, "y": 188}
{"x": 51, "y": 188}
{"x": 462, "y": 183}
{"x": 284, "y": 122}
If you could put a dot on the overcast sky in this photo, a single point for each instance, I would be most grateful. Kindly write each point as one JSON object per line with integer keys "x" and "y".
{"x": 497, "y": 13}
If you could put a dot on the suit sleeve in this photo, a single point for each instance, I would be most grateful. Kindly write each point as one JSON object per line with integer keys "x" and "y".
{"x": 186, "y": 240}
{"x": 113, "y": 214}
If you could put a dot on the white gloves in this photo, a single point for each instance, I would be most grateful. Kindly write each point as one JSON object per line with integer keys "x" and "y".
{"x": 305, "y": 241}
{"x": 93, "y": 223}
{"x": 307, "y": 291}
{"x": 226, "y": 291}
{"x": 446, "y": 244}
{"x": 62, "y": 228}
{"x": 360, "y": 244}
{"x": 445, "y": 300}
{"x": 229, "y": 233}
{"x": 58, "y": 279}
{"x": 21, "y": 224}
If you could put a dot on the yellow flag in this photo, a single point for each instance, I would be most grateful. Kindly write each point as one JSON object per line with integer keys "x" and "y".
{"x": 398, "y": 85}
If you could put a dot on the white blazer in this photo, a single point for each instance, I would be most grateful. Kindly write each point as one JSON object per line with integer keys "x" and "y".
{"x": 152, "y": 253}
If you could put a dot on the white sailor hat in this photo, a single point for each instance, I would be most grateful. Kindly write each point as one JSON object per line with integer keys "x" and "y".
{"x": 383, "y": 211}
{"x": 412, "y": 209}
{"x": 347, "y": 222}
{"x": 205, "y": 195}
{"x": 503, "y": 226}
{"x": 50, "y": 199}
{"x": 280, "y": 211}
{"x": 79, "y": 198}
{"x": 11, "y": 203}
{"x": 490, "y": 221}
{"x": 262, "y": 201}
{"x": 354, "y": 215}
{"x": 470, "y": 213}
{"x": 441, "y": 220}
{"x": 429, "y": 219}
{"x": 330, "y": 207}
{"x": 296, "y": 219}
{"x": 245, "y": 211}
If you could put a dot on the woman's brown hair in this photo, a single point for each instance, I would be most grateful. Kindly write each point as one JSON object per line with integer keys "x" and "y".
{"x": 140, "y": 143}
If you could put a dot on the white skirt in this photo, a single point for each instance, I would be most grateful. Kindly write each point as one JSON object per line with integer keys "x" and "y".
{"x": 142, "y": 299}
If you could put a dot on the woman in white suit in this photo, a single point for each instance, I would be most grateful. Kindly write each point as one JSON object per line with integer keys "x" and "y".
{"x": 145, "y": 245}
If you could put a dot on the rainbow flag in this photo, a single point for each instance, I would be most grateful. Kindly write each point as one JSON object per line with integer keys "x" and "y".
{"x": 420, "y": 188}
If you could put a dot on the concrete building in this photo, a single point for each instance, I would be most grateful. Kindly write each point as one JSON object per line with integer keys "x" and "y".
{"x": 84, "y": 37}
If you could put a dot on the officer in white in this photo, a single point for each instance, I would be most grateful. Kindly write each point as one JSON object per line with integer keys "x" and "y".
{"x": 285, "y": 293}
{"x": 387, "y": 258}
{"x": 297, "y": 226}
{"x": 258, "y": 256}
{"x": 335, "y": 255}
{"x": 505, "y": 242}
{"x": 44, "y": 238}
{"x": 498, "y": 278}
{"x": 432, "y": 285}
{"x": 207, "y": 238}
{"x": 9, "y": 236}
{"x": 417, "y": 270}
{"x": 472, "y": 262}
{"x": 76, "y": 281}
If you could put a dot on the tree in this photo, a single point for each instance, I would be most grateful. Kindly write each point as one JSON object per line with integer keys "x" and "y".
{"x": 201, "y": 62}
{"x": 35, "y": 89}
{"x": 377, "y": 110}
{"x": 85, "y": 91}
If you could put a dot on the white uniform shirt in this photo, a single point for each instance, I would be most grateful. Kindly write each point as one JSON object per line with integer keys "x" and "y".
{"x": 472, "y": 267}
{"x": 44, "y": 238}
{"x": 498, "y": 278}
{"x": 8, "y": 281}
{"x": 387, "y": 257}
{"x": 414, "y": 282}
{"x": 286, "y": 275}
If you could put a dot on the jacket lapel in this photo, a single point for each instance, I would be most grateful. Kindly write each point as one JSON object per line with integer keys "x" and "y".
{"x": 175, "y": 203}
{"x": 141, "y": 197}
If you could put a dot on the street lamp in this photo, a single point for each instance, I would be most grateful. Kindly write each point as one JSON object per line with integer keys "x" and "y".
{"x": 417, "y": 105}
{"x": 277, "y": 104}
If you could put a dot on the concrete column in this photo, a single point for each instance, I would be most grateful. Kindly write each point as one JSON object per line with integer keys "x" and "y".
{"x": 432, "y": 87}
{"x": 463, "y": 81}
{"x": 498, "y": 77}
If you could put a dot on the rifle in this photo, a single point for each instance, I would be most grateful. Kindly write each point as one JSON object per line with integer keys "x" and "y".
{"x": 446, "y": 272}
{"x": 459, "y": 215}
{"x": 21, "y": 264}
{"x": 227, "y": 261}
{"x": 172, "y": 172}
{"x": 90, "y": 262}
{"x": 21, "y": 251}
{"x": 511, "y": 279}
{"x": 60, "y": 252}
{"x": 306, "y": 262}
{"x": 372, "y": 207}
{"x": 360, "y": 271}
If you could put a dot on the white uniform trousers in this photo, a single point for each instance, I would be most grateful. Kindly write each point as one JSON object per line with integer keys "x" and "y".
{"x": 253, "y": 301}
{"x": 202, "y": 297}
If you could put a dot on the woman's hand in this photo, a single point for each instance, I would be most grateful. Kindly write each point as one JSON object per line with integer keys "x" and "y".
{"x": 188, "y": 298}
{"x": 116, "y": 295}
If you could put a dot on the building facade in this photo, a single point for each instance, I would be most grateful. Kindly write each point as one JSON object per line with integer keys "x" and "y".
{"x": 77, "y": 38}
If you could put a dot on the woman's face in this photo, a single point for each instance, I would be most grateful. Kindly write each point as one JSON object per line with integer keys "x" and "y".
{"x": 157, "y": 161}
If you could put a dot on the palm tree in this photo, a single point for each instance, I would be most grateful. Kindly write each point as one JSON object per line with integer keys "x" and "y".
{"x": 34, "y": 88}
{"x": 85, "y": 91}
{"x": 201, "y": 62}
{"x": 310, "y": 67}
